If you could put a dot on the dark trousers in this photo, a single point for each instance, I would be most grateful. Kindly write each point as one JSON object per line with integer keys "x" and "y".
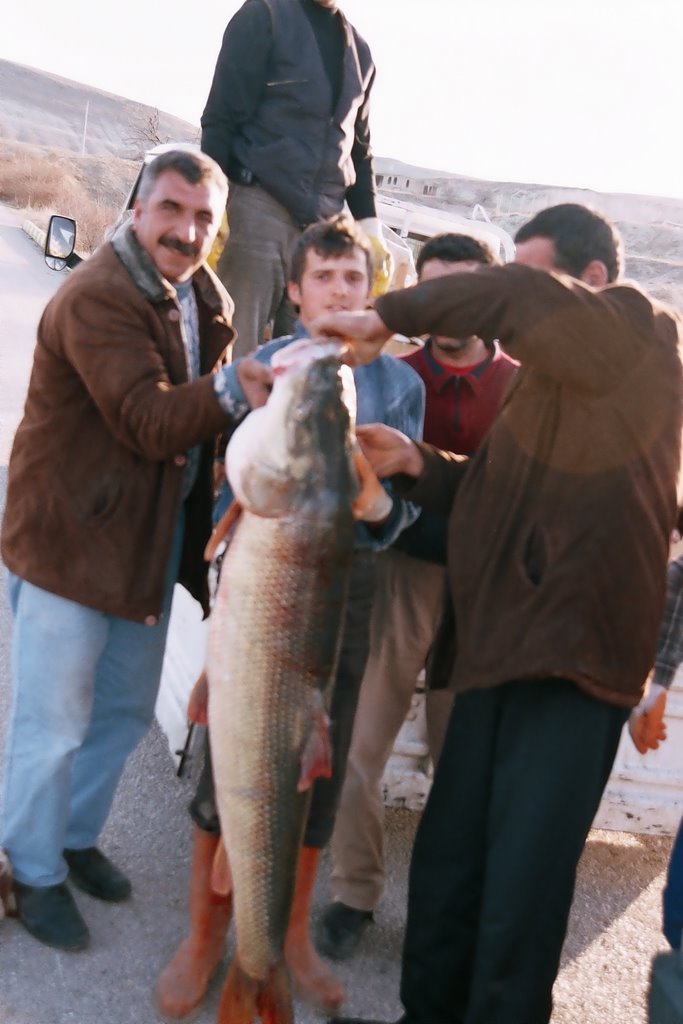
{"x": 672, "y": 898}
{"x": 355, "y": 645}
{"x": 492, "y": 876}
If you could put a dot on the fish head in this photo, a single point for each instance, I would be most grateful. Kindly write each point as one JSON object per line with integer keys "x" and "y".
{"x": 297, "y": 448}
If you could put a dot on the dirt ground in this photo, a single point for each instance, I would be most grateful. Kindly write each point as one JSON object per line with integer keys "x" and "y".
{"x": 613, "y": 932}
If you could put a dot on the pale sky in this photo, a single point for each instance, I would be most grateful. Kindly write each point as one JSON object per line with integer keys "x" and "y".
{"x": 586, "y": 93}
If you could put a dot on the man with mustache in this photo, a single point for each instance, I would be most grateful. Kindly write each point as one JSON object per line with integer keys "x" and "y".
{"x": 108, "y": 504}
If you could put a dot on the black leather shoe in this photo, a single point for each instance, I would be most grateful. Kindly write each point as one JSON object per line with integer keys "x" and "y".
{"x": 340, "y": 929}
{"x": 95, "y": 874}
{"x": 50, "y": 914}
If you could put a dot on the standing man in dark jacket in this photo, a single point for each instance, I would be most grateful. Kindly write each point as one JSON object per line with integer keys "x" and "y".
{"x": 108, "y": 504}
{"x": 558, "y": 544}
{"x": 287, "y": 120}
{"x": 465, "y": 383}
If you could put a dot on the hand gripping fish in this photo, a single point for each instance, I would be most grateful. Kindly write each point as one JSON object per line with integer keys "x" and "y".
{"x": 273, "y": 644}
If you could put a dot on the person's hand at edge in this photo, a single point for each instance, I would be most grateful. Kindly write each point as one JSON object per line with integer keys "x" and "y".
{"x": 646, "y": 724}
{"x": 382, "y": 260}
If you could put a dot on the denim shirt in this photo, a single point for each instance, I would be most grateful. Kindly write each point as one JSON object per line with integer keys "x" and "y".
{"x": 388, "y": 391}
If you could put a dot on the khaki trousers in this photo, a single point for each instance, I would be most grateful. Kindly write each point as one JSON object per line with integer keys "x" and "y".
{"x": 254, "y": 266}
{"x": 406, "y": 613}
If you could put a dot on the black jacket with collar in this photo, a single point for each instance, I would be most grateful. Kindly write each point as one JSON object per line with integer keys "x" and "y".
{"x": 271, "y": 111}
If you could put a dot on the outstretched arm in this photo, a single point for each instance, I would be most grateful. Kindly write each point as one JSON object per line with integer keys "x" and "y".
{"x": 584, "y": 338}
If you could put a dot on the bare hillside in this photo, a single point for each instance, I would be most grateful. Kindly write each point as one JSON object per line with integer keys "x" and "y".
{"x": 46, "y": 110}
{"x": 652, "y": 226}
{"x": 98, "y": 138}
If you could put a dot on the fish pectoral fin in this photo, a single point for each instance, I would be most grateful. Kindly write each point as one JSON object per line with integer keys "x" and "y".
{"x": 221, "y": 876}
{"x": 372, "y": 502}
{"x": 222, "y": 529}
{"x": 245, "y": 999}
{"x": 316, "y": 758}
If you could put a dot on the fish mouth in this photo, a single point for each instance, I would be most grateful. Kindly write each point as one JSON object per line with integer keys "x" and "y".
{"x": 298, "y": 357}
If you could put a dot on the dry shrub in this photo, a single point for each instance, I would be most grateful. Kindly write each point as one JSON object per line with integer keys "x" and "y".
{"x": 93, "y": 221}
{"x": 40, "y": 184}
{"x": 31, "y": 178}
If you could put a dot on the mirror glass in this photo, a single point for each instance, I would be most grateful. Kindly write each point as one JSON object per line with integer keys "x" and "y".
{"x": 60, "y": 241}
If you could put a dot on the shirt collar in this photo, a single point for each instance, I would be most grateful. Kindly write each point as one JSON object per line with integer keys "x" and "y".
{"x": 438, "y": 377}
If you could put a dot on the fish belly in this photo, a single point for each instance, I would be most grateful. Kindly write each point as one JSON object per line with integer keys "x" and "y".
{"x": 272, "y": 650}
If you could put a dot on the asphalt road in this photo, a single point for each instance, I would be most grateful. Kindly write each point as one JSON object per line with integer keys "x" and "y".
{"x": 614, "y": 927}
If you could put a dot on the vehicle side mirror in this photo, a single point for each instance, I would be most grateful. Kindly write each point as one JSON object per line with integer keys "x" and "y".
{"x": 60, "y": 242}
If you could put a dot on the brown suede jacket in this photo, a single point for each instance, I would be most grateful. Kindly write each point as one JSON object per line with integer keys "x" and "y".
{"x": 560, "y": 524}
{"x": 96, "y": 468}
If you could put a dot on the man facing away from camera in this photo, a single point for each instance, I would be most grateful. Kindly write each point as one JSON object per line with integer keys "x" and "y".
{"x": 558, "y": 538}
{"x": 465, "y": 382}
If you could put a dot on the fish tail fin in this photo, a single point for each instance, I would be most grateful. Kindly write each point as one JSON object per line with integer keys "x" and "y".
{"x": 245, "y": 999}
{"x": 238, "y": 1003}
{"x": 275, "y": 999}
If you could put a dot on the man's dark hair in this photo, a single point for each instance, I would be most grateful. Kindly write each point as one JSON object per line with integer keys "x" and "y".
{"x": 337, "y": 236}
{"x": 580, "y": 235}
{"x": 194, "y": 167}
{"x": 453, "y": 248}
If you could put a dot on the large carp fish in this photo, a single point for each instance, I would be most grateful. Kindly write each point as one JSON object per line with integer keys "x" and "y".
{"x": 273, "y": 644}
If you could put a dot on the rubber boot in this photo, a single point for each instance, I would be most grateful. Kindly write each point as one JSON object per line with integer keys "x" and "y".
{"x": 312, "y": 979}
{"x": 183, "y": 983}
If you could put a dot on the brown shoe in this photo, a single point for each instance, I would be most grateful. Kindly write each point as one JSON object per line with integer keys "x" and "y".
{"x": 182, "y": 984}
{"x": 313, "y": 980}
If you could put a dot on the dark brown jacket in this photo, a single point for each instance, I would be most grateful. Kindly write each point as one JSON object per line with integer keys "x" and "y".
{"x": 97, "y": 463}
{"x": 559, "y": 525}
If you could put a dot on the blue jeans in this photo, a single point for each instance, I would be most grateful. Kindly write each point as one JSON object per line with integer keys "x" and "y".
{"x": 84, "y": 690}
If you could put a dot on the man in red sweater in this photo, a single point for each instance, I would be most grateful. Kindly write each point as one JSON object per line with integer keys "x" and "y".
{"x": 465, "y": 381}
